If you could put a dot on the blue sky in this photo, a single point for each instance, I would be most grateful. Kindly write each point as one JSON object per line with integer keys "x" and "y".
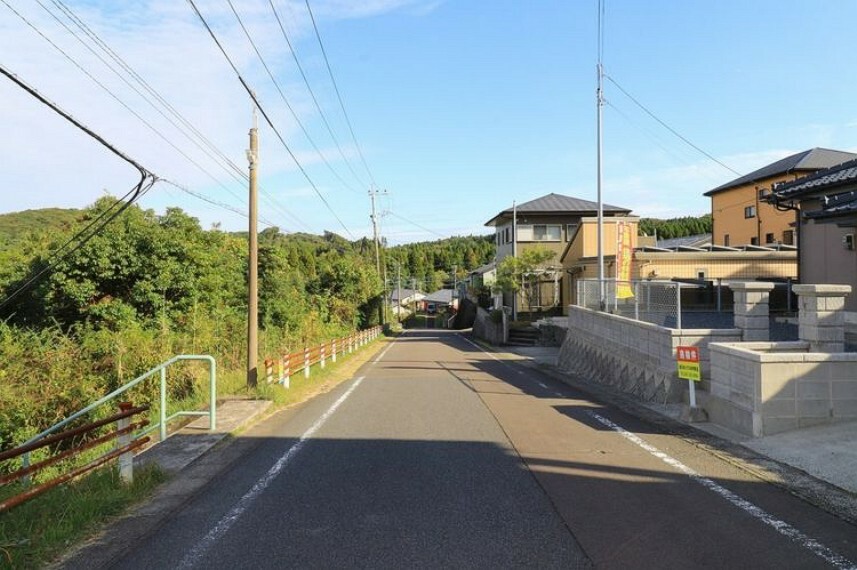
{"x": 459, "y": 107}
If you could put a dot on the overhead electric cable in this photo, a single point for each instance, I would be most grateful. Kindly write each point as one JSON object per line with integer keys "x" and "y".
{"x": 79, "y": 239}
{"x": 404, "y": 219}
{"x": 147, "y": 86}
{"x": 654, "y": 138}
{"x": 338, "y": 94}
{"x": 669, "y": 128}
{"x": 237, "y": 173}
{"x": 265, "y": 115}
{"x": 285, "y": 99}
{"x": 118, "y": 100}
{"x": 213, "y": 202}
{"x": 312, "y": 93}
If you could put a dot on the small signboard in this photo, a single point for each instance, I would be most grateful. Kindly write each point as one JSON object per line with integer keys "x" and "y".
{"x": 687, "y": 358}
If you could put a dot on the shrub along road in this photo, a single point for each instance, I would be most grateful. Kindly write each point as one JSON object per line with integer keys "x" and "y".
{"x": 437, "y": 454}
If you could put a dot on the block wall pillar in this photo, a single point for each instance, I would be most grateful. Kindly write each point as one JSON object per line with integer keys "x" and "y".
{"x": 752, "y": 314}
{"x": 821, "y": 320}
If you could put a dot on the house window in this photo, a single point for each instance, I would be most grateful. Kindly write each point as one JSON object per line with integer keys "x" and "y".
{"x": 750, "y": 212}
{"x": 552, "y": 232}
{"x": 700, "y": 274}
{"x": 508, "y": 234}
{"x": 726, "y": 240}
{"x": 769, "y": 238}
{"x": 570, "y": 230}
{"x": 789, "y": 237}
{"x": 754, "y": 240}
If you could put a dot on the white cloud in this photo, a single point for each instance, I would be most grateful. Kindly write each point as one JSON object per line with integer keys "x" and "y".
{"x": 165, "y": 43}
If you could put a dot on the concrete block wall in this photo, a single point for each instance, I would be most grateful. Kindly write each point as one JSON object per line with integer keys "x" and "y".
{"x": 766, "y": 388}
{"x": 636, "y": 357}
{"x": 488, "y": 330}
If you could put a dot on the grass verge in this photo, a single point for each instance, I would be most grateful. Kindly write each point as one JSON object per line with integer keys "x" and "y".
{"x": 40, "y": 530}
{"x": 37, "y": 531}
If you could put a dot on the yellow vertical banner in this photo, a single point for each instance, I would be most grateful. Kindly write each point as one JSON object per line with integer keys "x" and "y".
{"x": 624, "y": 255}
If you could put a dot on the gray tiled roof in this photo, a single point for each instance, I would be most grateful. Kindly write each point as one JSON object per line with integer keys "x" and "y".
{"x": 559, "y": 203}
{"x": 484, "y": 268}
{"x": 835, "y": 206}
{"x": 829, "y": 178}
{"x": 394, "y": 295}
{"x": 440, "y": 296}
{"x": 812, "y": 159}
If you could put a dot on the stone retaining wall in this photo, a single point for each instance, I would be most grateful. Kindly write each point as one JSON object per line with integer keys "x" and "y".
{"x": 488, "y": 330}
{"x": 636, "y": 357}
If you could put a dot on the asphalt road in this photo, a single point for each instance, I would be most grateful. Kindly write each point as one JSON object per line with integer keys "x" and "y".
{"x": 439, "y": 454}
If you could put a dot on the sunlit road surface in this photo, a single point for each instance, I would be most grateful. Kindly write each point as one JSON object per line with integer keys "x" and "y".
{"x": 441, "y": 455}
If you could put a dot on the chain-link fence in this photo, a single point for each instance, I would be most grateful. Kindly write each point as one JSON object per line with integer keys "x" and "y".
{"x": 677, "y": 304}
{"x": 657, "y": 302}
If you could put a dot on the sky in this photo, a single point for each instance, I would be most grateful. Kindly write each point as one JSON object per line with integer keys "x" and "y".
{"x": 453, "y": 108}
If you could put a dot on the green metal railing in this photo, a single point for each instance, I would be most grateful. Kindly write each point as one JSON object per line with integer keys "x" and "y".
{"x": 161, "y": 425}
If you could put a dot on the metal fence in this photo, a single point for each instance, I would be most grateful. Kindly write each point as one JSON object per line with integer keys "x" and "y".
{"x": 657, "y": 302}
{"x": 677, "y": 304}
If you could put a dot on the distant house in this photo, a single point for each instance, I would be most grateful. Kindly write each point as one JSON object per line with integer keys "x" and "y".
{"x": 439, "y": 300}
{"x": 404, "y": 298}
{"x": 827, "y": 202}
{"x": 741, "y": 215}
{"x": 550, "y": 222}
{"x": 483, "y": 276}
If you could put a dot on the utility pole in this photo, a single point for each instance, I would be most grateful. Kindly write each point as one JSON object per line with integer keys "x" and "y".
{"x": 599, "y": 95}
{"x": 383, "y": 308}
{"x": 253, "y": 279}
{"x": 399, "y": 291}
{"x": 514, "y": 254}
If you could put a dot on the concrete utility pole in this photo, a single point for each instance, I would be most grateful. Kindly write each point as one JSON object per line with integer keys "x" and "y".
{"x": 514, "y": 254}
{"x": 383, "y": 308}
{"x": 253, "y": 279}
{"x": 399, "y": 291}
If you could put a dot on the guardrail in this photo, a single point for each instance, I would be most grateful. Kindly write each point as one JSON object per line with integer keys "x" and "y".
{"x": 126, "y": 443}
{"x": 281, "y": 369}
{"x": 161, "y": 425}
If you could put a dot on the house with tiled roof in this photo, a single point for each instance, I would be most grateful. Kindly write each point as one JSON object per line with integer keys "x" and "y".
{"x": 550, "y": 222}
{"x": 827, "y": 203}
{"x": 741, "y": 215}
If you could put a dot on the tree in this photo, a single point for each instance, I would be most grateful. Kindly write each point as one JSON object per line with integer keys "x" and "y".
{"x": 524, "y": 272}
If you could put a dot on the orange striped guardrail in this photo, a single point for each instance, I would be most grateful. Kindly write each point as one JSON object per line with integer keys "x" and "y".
{"x": 282, "y": 369}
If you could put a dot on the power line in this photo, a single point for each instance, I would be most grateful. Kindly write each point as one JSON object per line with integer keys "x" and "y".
{"x": 80, "y": 238}
{"x": 653, "y": 137}
{"x": 404, "y": 219}
{"x": 213, "y": 202}
{"x": 236, "y": 172}
{"x": 669, "y": 128}
{"x": 285, "y": 99}
{"x": 312, "y": 93}
{"x": 338, "y": 95}
{"x": 265, "y": 115}
{"x": 113, "y": 95}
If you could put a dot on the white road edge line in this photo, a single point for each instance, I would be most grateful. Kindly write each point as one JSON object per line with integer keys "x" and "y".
{"x": 222, "y": 527}
{"x": 779, "y": 525}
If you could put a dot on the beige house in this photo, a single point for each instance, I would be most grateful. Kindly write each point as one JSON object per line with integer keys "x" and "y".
{"x": 550, "y": 222}
{"x": 684, "y": 263}
{"x": 827, "y": 202}
{"x": 742, "y": 216}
